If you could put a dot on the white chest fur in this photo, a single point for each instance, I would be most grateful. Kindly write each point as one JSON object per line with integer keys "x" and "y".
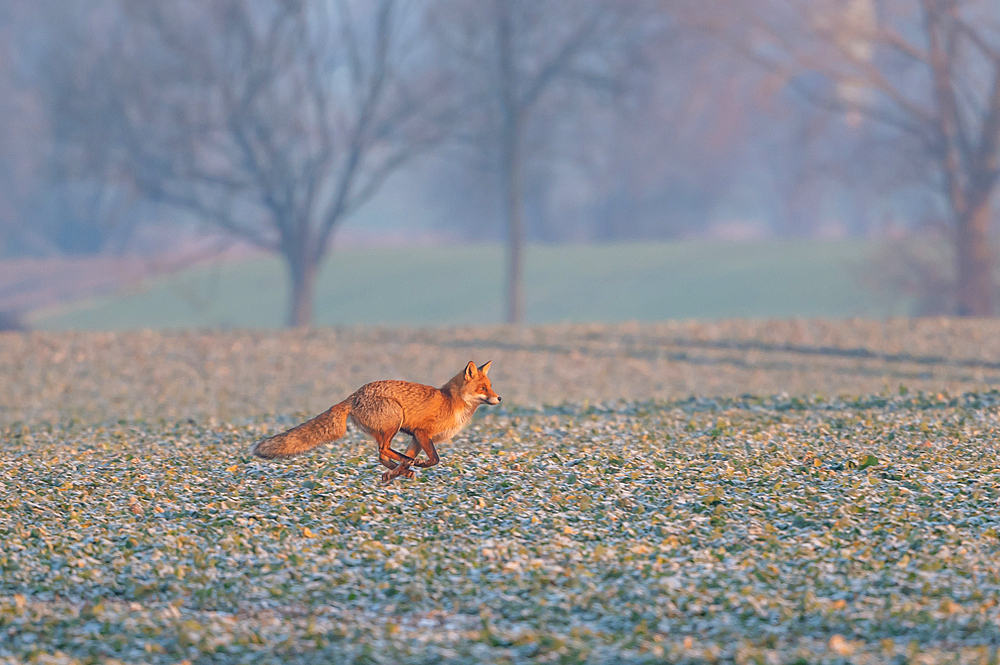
{"x": 457, "y": 423}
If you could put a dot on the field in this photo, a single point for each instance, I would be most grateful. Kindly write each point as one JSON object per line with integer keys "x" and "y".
{"x": 463, "y": 285}
{"x": 750, "y": 492}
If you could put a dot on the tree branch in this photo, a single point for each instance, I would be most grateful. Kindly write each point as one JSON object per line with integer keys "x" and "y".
{"x": 560, "y": 60}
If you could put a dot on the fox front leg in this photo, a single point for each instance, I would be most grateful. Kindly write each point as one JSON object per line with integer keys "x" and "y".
{"x": 411, "y": 451}
{"x": 428, "y": 447}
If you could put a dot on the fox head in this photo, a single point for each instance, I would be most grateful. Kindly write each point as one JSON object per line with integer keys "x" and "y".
{"x": 476, "y": 387}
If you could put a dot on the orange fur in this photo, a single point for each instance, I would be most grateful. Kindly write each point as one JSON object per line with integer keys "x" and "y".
{"x": 384, "y": 408}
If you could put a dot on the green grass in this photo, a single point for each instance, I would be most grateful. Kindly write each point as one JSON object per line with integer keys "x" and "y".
{"x": 608, "y": 523}
{"x": 750, "y": 531}
{"x": 464, "y": 284}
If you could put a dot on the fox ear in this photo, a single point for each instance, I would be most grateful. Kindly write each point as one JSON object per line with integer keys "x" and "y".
{"x": 470, "y": 370}
{"x": 485, "y": 369}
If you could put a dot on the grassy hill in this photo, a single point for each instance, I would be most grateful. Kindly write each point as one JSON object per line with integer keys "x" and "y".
{"x": 464, "y": 284}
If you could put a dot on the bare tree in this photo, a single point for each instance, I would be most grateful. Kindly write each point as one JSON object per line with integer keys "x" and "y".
{"x": 9, "y": 185}
{"x": 690, "y": 138}
{"x": 926, "y": 71}
{"x": 519, "y": 65}
{"x": 273, "y": 120}
{"x": 86, "y": 202}
{"x": 61, "y": 188}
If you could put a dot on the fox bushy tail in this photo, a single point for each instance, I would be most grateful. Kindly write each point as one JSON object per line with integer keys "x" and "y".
{"x": 327, "y": 426}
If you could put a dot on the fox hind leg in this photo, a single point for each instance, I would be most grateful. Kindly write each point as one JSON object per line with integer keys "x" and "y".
{"x": 401, "y": 470}
{"x": 380, "y": 418}
{"x": 389, "y": 464}
{"x": 398, "y": 464}
{"x": 411, "y": 451}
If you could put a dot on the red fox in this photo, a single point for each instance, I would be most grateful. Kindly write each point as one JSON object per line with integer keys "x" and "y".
{"x": 383, "y": 408}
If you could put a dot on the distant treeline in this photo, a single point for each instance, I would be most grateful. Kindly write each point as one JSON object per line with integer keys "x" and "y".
{"x": 129, "y": 122}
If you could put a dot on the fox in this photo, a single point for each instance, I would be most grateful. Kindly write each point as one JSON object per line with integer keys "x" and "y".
{"x": 382, "y": 409}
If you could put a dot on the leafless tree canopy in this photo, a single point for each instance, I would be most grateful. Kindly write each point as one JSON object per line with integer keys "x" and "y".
{"x": 522, "y": 71}
{"x": 62, "y": 175}
{"x": 927, "y": 71}
{"x": 274, "y": 120}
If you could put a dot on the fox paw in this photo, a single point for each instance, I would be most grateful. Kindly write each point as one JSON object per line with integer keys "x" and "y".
{"x": 388, "y": 476}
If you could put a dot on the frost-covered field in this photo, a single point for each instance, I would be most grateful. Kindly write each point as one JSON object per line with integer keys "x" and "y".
{"x": 94, "y": 377}
{"x": 601, "y": 515}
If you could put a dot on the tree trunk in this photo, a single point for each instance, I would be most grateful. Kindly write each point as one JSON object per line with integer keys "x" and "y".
{"x": 975, "y": 260}
{"x": 511, "y": 174}
{"x": 515, "y": 223}
{"x": 510, "y": 167}
{"x": 302, "y": 272}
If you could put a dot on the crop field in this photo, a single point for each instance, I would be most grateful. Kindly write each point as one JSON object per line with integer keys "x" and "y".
{"x": 772, "y": 492}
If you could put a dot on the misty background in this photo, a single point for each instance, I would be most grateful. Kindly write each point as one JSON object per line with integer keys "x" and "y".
{"x": 211, "y": 164}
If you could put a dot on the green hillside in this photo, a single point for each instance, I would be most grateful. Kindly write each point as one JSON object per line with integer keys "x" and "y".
{"x": 464, "y": 284}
